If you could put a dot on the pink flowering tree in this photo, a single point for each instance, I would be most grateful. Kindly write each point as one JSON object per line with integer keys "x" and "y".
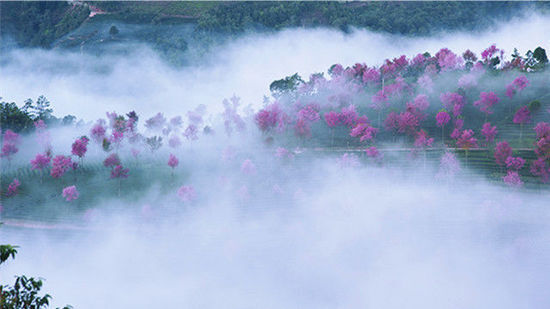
{"x": 442, "y": 119}
{"x": 489, "y": 132}
{"x": 542, "y": 141}
{"x": 119, "y": 172}
{"x": 70, "y": 193}
{"x": 453, "y": 101}
{"x": 421, "y": 142}
{"x": 173, "y": 162}
{"x": 60, "y": 165}
{"x": 332, "y": 119}
{"x": 540, "y": 169}
{"x": 467, "y": 141}
{"x": 13, "y": 188}
{"x": 502, "y": 152}
{"x": 98, "y": 131}
{"x": 522, "y": 117}
{"x": 517, "y": 85}
{"x": 485, "y": 103}
{"x": 79, "y": 147}
{"x": 513, "y": 179}
{"x": 40, "y": 162}
{"x": 515, "y": 163}
{"x": 9, "y": 145}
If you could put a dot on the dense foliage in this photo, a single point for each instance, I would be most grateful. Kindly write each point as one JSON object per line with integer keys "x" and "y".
{"x": 41, "y": 23}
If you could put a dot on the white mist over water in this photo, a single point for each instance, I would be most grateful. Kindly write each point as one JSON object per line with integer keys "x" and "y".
{"x": 86, "y": 86}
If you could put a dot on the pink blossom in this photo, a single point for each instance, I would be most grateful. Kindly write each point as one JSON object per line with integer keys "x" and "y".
{"x": 422, "y": 140}
{"x": 371, "y": 76}
{"x": 488, "y": 53}
{"x": 512, "y": 179}
{"x": 13, "y": 188}
{"x": 542, "y": 147}
{"x": 522, "y": 115}
{"x": 270, "y": 117}
{"x": 332, "y": 119}
{"x": 98, "y": 131}
{"x": 486, "y": 101}
{"x": 407, "y": 123}
{"x": 391, "y": 121}
{"x": 40, "y": 162}
{"x": 11, "y": 137}
{"x": 448, "y": 60}
{"x": 542, "y": 129}
{"x": 418, "y": 60}
{"x": 442, "y": 118}
{"x": 8, "y": 150}
{"x": 79, "y": 147}
{"x": 119, "y": 172}
{"x": 453, "y": 101}
{"x": 541, "y": 169}
{"x": 186, "y": 193}
{"x": 467, "y": 140}
{"x": 364, "y": 131}
{"x": 421, "y": 102}
{"x": 248, "y": 167}
{"x": 302, "y": 128}
{"x": 70, "y": 193}
{"x": 521, "y": 82}
{"x": 348, "y": 116}
{"x": 502, "y": 152}
{"x": 515, "y": 163}
{"x": 489, "y": 132}
{"x": 60, "y": 165}
{"x": 112, "y": 160}
{"x": 455, "y": 134}
{"x": 310, "y": 112}
{"x": 173, "y": 161}
{"x": 116, "y": 137}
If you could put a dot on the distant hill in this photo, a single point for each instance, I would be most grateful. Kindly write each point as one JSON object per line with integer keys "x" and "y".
{"x": 40, "y": 24}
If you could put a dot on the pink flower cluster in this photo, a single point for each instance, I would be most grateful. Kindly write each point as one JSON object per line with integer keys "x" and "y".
{"x": 60, "y": 165}
{"x": 13, "y": 188}
{"x": 489, "y": 132}
{"x": 79, "y": 147}
{"x": 70, "y": 193}
{"x": 40, "y": 162}
{"x": 173, "y": 161}
{"x": 486, "y": 102}
{"x": 10, "y": 141}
